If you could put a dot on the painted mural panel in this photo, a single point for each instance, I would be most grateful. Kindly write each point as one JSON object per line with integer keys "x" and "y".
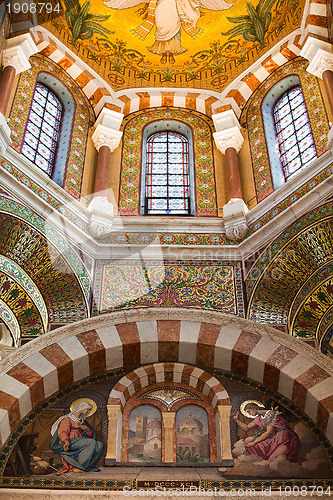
{"x": 192, "y": 436}
{"x": 271, "y": 440}
{"x": 145, "y": 434}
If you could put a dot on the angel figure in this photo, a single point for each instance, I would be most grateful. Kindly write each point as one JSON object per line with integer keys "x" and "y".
{"x": 169, "y": 16}
{"x": 273, "y": 436}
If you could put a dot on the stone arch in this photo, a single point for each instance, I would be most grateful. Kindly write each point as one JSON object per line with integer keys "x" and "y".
{"x": 178, "y": 373}
{"x": 132, "y": 338}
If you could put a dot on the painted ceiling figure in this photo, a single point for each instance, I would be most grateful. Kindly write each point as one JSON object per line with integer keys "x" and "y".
{"x": 169, "y": 16}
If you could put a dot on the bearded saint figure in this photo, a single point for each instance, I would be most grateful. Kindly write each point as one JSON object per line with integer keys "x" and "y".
{"x": 169, "y": 16}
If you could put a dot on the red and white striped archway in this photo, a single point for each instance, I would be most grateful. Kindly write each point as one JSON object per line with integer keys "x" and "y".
{"x": 139, "y": 337}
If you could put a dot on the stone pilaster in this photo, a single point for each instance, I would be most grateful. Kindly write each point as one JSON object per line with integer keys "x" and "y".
{"x": 169, "y": 437}
{"x": 113, "y": 415}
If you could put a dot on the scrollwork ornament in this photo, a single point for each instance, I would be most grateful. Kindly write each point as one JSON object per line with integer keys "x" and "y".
{"x": 236, "y": 232}
{"x": 99, "y": 230}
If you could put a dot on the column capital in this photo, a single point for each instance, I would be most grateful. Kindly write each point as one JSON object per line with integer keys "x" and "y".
{"x": 228, "y": 134}
{"x": 168, "y": 420}
{"x": 319, "y": 54}
{"x": 107, "y": 131}
{"x": 17, "y": 52}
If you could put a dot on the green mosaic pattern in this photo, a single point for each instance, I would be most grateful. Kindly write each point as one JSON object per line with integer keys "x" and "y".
{"x": 9, "y": 267}
{"x": 22, "y": 306}
{"x": 8, "y": 317}
{"x": 278, "y": 276}
{"x": 204, "y": 163}
{"x": 19, "y": 211}
{"x": 312, "y": 310}
{"x": 81, "y": 122}
{"x": 252, "y": 115}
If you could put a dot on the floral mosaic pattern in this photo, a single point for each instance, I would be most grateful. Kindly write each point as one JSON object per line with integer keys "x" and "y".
{"x": 204, "y": 165}
{"x": 327, "y": 340}
{"x": 82, "y": 118}
{"x": 167, "y": 239}
{"x": 312, "y": 310}
{"x": 14, "y": 271}
{"x": 7, "y": 316}
{"x": 252, "y": 114}
{"x": 278, "y": 276}
{"x": 17, "y": 210}
{"x": 21, "y": 305}
{"x": 131, "y": 284}
{"x": 325, "y": 211}
{"x": 292, "y": 198}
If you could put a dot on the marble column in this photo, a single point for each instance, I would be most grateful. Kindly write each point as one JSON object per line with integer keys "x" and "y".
{"x": 320, "y": 57}
{"x": 113, "y": 416}
{"x": 169, "y": 422}
{"x": 106, "y": 139}
{"x": 15, "y": 60}
{"x": 229, "y": 140}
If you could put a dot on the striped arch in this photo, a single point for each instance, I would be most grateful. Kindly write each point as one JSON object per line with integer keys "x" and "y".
{"x": 169, "y": 372}
{"x": 209, "y": 102}
{"x": 138, "y": 337}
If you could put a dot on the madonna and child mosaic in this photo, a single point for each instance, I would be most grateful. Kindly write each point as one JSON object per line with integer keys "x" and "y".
{"x": 164, "y": 424}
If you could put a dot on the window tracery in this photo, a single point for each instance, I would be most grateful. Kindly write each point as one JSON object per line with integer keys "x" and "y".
{"x": 43, "y": 128}
{"x": 295, "y": 141}
{"x": 167, "y": 183}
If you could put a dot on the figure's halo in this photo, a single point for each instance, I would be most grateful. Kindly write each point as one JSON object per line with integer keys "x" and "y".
{"x": 244, "y": 412}
{"x": 86, "y": 400}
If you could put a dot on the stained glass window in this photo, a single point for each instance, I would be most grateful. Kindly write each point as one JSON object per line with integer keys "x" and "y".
{"x": 167, "y": 187}
{"x": 296, "y": 144}
{"x": 43, "y": 126}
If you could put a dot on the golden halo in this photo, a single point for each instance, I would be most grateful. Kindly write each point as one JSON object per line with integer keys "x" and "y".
{"x": 86, "y": 400}
{"x": 244, "y": 412}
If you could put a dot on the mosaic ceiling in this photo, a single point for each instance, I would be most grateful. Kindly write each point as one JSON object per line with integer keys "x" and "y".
{"x": 37, "y": 285}
{"x": 293, "y": 282}
{"x": 203, "y": 44}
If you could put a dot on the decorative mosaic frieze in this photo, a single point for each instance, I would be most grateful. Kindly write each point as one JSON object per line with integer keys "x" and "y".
{"x": 292, "y": 198}
{"x": 312, "y": 310}
{"x": 9, "y": 267}
{"x": 54, "y": 238}
{"x": 8, "y": 317}
{"x": 203, "y": 159}
{"x": 132, "y": 284}
{"x": 82, "y": 117}
{"x": 253, "y": 117}
{"x": 22, "y": 306}
{"x": 276, "y": 278}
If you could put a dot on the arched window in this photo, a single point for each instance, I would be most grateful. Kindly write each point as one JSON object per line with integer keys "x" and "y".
{"x": 295, "y": 141}
{"x": 167, "y": 188}
{"x": 43, "y": 129}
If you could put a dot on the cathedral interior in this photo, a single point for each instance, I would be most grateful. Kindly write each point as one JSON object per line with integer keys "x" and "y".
{"x": 166, "y": 247}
